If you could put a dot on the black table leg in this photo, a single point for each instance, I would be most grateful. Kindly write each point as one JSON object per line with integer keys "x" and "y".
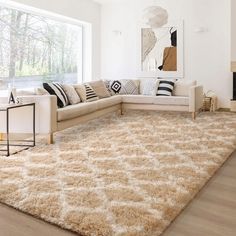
{"x": 33, "y": 124}
{"x": 8, "y": 142}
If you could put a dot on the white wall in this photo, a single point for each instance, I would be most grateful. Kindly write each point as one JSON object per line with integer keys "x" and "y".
{"x": 233, "y": 30}
{"x": 206, "y": 55}
{"x": 83, "y": 10}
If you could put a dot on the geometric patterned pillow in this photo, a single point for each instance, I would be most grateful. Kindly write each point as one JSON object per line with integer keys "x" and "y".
{"x": 86, "y": 92}
{"x": 124, "y": 86}
{"x": 90, "y": 93}
{"x": 129, "y": 87}
{"x": 115, "y": 86}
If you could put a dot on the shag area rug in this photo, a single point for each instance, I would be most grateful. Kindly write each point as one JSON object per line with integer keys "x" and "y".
{"x": 122, "y": 176}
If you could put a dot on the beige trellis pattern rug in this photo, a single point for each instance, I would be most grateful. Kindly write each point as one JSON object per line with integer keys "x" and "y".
{"x": 125, "y": 175}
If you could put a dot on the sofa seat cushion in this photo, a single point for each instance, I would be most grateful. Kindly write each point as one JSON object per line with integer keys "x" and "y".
{"x": 171, "y": 100}
{"x": 158, "y": 100}
{"x": 138, "y": 99}
{"x": 108, "y": 102}
{"x": 74, "y": 111}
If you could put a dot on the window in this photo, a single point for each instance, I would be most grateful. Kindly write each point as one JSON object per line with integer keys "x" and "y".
{"x": 35, "y": 48}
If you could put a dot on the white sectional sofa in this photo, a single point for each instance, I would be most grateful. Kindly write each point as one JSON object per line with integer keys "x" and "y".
{"x": 187, "y": 97}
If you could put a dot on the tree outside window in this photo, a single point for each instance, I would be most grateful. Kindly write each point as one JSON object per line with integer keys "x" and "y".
{"x": 36, "y": 49}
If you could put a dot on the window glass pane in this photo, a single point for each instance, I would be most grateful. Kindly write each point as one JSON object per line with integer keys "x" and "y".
{"x": 36, "y": 49}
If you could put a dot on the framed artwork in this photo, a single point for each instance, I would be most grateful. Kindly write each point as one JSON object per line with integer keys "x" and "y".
{"x": 161, "y": 51}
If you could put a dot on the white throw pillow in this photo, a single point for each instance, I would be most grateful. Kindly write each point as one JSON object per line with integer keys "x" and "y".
{"x": 182, "y": 87}
{"x": 149, "y": 86}
{"x": 71, "y": 94}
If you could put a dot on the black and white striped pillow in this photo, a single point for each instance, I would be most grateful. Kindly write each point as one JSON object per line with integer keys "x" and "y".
{"x": 56, "y": 89}
{"x": 90, "y": 93}
{"x": 165, "y": 88}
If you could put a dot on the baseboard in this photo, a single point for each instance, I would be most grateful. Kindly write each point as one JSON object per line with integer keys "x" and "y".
{"x": 224, "y": 110}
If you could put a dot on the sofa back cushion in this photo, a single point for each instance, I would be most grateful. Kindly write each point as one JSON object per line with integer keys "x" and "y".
{"x": 183, "y": 86}
{"x": 57, "y": 89}
{"x": 100, "y": 88}
{"x": 71, "y": 94}
{"x": 86, "y": 92}
{"x": 124, "y": 86}
{"x": 149, "y": 86}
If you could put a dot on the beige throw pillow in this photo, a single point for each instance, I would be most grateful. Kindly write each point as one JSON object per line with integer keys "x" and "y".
{"x": 182, "y": 87}
{"x": 72, "y": 95}
{"x": 100, "y": 88}
{"x": 86, "y": 92}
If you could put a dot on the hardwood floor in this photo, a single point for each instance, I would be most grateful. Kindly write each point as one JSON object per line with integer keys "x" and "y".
{"x": 15, "y": 223}
{"x": 211, "y": 213}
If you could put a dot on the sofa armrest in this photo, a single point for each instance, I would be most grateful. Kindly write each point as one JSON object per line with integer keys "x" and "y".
{"x": 3, "y": 100}
{"x": 195, "y": 98}
{"x": 46, "y": 112}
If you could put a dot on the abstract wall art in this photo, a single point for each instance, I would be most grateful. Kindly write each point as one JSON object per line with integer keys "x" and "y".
{"x": 161, "y": 51}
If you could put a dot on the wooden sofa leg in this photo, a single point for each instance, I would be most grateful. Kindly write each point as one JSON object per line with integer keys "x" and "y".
{"x": 1, "y": 136}
{"x": 194, "y": 115}
{"x": 50, "y": 138}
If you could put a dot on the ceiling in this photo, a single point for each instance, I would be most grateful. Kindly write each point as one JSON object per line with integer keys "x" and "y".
{"x": 106, "y": 1}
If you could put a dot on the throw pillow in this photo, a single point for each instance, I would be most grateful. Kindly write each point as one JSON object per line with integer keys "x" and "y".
{"x": 165, "y": 88}
{"x": 71, "y": 94}
{"x": 183, "y": 86}
{"x": 56, "y": 89}
{"x": 129, "y": 87}
{"x": 124, "y": 87}
{"x": 86, "y": 93}
{"x": 107, "y": 84}
{"x": 100, "y": 89}
{"x": 115, "y": 86}
{"x": 149, "y": 86}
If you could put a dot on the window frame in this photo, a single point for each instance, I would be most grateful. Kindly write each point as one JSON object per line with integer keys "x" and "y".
{"x": 86, "y": 30}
